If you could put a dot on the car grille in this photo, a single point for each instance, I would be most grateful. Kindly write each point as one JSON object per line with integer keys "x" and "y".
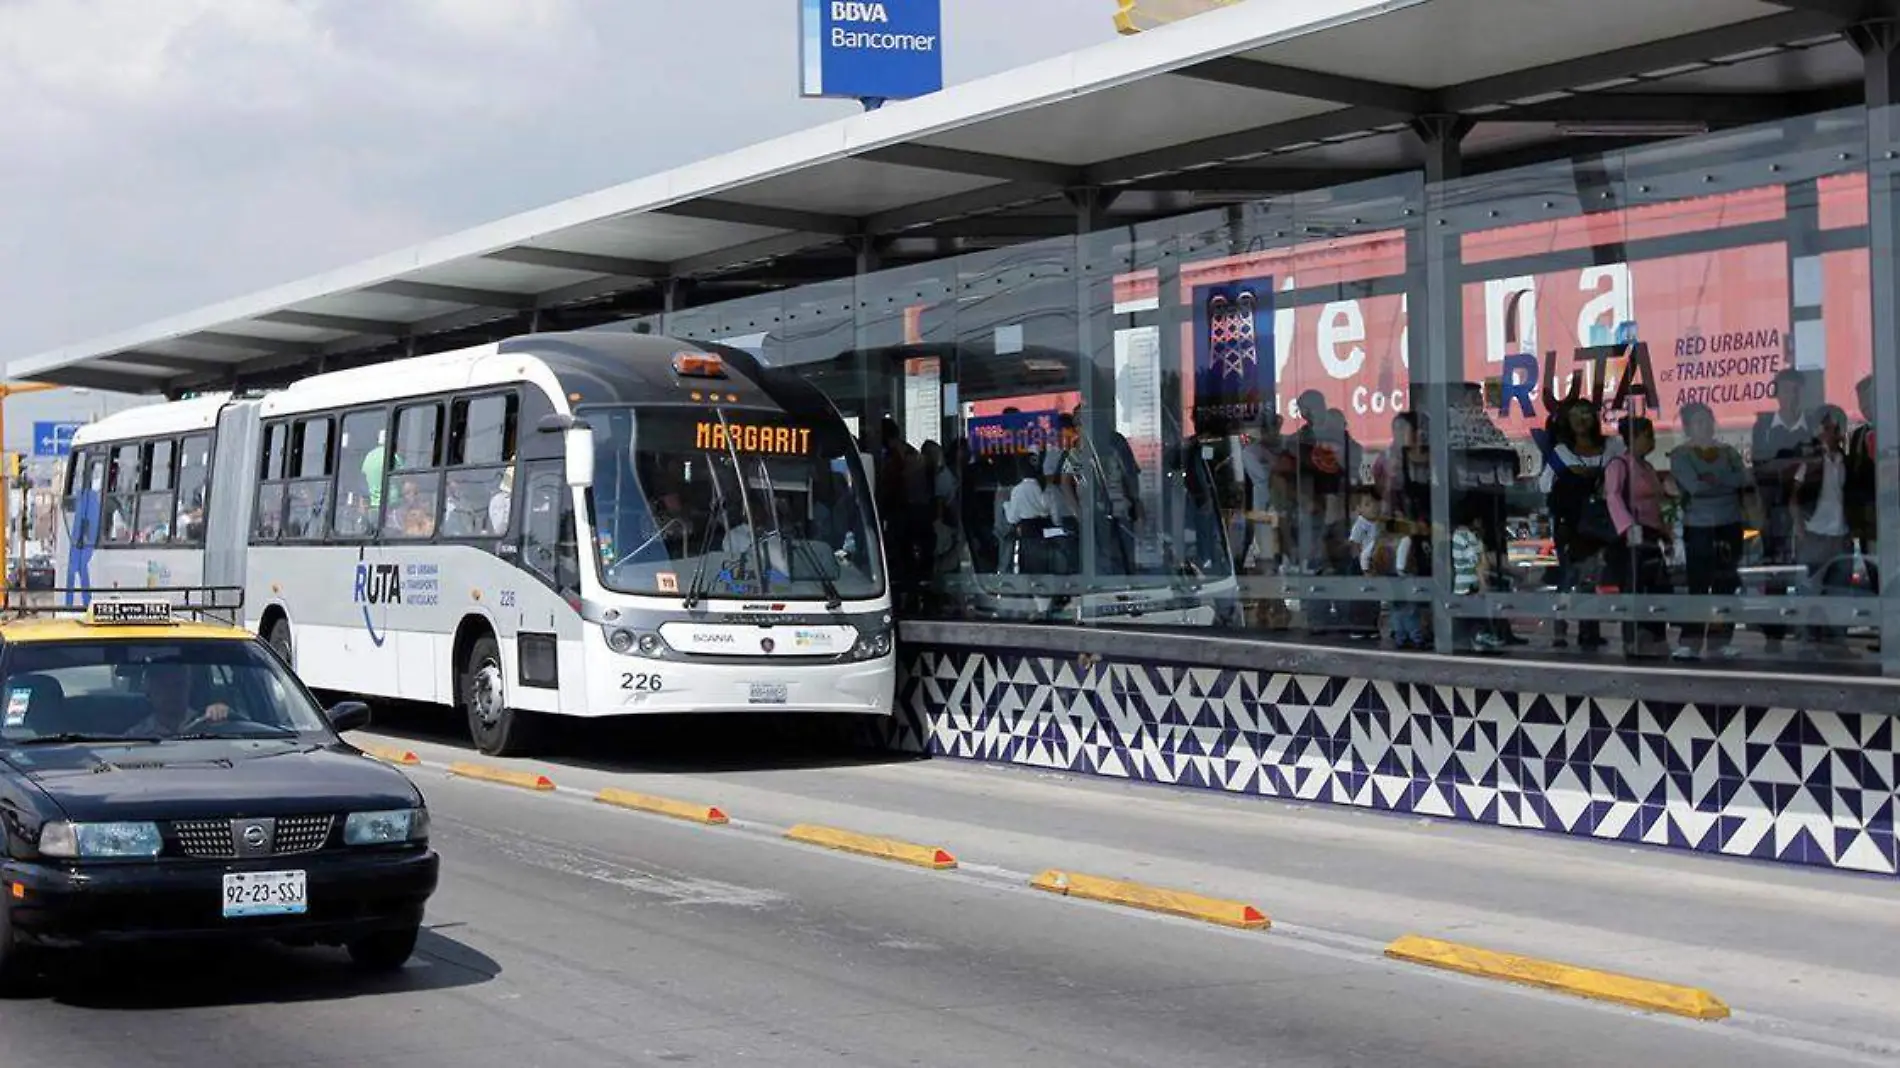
{"x": 212, "y": 839}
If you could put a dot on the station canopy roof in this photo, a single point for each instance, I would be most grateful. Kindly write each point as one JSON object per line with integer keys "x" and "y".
{"x": 1246, "y": 101}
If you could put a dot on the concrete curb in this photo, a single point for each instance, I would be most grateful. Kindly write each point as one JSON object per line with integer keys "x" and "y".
{"x": 871, "y": 845}
{"x": 1153, "y": 899}
{"x": 662, "y": 806}
{"x": 390, "y": 755}
{"x": 1692, "y": 1002}
{"x": 527, "y": 780}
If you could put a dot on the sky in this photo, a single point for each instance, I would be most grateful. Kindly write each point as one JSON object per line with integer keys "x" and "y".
{"x": 168, "y": 154}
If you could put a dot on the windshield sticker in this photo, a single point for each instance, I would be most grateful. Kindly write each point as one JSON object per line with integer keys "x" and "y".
{"x": 17, "y": 702}
{"x": 669, "y": 582}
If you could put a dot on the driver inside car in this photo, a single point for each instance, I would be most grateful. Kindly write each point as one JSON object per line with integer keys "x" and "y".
{"x": 168, "y": 687}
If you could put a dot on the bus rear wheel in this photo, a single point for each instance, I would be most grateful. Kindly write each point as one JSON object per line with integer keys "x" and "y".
{"x": 496, "y": 729}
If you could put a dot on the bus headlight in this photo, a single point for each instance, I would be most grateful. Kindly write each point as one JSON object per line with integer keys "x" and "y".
{"x": 872, "y": 644}
{"x": 635, "y": 643}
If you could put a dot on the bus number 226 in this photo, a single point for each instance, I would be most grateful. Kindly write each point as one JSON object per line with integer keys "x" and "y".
{"x": 640, "y": 681}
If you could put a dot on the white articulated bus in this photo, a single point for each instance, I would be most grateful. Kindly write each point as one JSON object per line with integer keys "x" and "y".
{"x": 584, "y": 524}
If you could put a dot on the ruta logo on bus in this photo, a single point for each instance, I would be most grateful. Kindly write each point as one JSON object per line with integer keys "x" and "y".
{"x": 378, "y": 584}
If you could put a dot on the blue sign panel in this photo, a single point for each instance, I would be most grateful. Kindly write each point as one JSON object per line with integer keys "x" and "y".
{"x": 54, "y": 439}
{"x": 872, "y": 49}
{"x": 1233, "y": 354}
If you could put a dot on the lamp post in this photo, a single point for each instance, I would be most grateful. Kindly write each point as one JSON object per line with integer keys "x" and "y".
{"x": 8, "y": 389}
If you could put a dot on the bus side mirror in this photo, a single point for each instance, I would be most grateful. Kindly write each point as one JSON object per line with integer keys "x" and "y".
{"x": 579, "y": 441}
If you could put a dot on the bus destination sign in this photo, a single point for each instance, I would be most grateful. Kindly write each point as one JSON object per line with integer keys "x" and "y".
{"x": 752, "y": 437}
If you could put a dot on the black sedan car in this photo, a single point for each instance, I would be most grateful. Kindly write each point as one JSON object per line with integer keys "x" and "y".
{"x": 163, "y": 779}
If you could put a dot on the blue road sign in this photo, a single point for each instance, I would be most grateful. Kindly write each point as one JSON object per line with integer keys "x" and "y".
{"x": 54, "y": 439}
{"x": 871, "y": 49}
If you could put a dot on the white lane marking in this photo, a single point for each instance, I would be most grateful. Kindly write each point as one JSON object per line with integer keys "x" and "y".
{"x": 650, "y": 880}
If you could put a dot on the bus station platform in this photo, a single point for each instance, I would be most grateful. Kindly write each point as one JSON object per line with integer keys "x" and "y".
{"x": 1328, "y": 317}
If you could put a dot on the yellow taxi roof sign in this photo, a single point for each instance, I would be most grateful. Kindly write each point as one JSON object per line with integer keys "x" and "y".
{"x": 128, "y": 612}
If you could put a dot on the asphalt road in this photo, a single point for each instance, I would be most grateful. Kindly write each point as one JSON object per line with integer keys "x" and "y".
{"x": 570, "y": 934}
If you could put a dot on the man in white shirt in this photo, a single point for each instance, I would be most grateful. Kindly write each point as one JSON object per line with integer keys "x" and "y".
{"x": 1820, "y": 508}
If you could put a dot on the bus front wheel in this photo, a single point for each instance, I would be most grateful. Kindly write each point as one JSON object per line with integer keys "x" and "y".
{"x": 497, "y": 729}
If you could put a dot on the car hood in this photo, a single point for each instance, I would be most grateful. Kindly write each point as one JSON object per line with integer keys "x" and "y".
{"x": 196, "y": 779}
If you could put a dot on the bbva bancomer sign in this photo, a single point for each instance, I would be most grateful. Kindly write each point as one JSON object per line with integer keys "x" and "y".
{"x": 882, "y": 49}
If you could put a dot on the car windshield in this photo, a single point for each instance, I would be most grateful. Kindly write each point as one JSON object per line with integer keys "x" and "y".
{"x": 723, "y": 503}
{"x": 150, "y": 691}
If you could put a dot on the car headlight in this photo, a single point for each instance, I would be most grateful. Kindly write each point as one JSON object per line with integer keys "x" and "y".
{"x": 77, "y": 840}
{"x": 386, "y": 828}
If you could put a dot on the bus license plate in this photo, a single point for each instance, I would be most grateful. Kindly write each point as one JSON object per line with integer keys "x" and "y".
{"x": 265, "y": 893}
{"x": 768, "y": 693}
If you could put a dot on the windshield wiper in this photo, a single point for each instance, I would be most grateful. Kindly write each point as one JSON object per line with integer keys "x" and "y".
{"x": 832, "y": 598}
{"x": 271, "y": 730}
{"x": 80, "y": 737}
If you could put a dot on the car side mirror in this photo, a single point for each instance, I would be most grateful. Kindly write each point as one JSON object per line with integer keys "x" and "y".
{"x": 348, "y": 716}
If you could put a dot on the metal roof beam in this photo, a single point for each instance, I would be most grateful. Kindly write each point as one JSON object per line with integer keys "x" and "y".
{"x": 974, "y": 164}
{"x": 245, "y": 342}
{"x": 1242, "y": 144}
{"x": 1666, "y": 54}
{"x": 109, "y": 381}
{"x": 727, "y": 211}
{"x": 1402, "y": 100}
{"x": 975, "y": 202}
{"x": 768, "y": 248}
{"x": 162, "y": 361}
{"x": 476, "y": 298}
{"x": 1714, "y": 108}
{"x": 1846, "y": 10}
{"x": 1265, "y": 180}
{"x": 1005, "y": 226}
{"x": 348, "y": 324}
{"x": 590, "y": 263}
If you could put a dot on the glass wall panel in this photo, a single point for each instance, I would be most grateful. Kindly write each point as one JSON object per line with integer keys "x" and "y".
{"x": 1666, "y": 359}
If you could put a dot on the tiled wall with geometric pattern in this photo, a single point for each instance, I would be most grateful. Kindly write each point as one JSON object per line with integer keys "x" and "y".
{"x": 1806, "y": 787}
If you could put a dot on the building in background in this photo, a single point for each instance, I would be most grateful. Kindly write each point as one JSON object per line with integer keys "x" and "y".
{"x": 1134, "y": 16}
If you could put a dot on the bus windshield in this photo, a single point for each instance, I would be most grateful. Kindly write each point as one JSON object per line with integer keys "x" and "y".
{"x": 711, "y": 503}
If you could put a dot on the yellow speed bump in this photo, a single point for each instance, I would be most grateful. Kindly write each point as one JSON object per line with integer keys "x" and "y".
{"x": 1153, "y": 899}
{"x": 1564, "y": 978}
{"x": 390, "y": 755}
{"x": 662, "y": 806}
{"x": 527, "y": 780}
{"x": 871, "y": 845}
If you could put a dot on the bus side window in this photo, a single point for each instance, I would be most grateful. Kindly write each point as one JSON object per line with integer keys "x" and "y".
{"x": 479, "y": 491}
{"x": 412, "y": 489}
{"x": 361, "y": 458}
{"x": 157, "y": 473}
{"x": 547, "y": 528}
{"x": 307, "y": 495}
{"x": 121, "y": 503}
{"x": 194, "y": 470}
{"x": 268, "y": 524}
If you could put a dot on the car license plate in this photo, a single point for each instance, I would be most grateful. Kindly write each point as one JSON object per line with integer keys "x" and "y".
{"x": 768, "y": 693}
{"x": 265, "y": 893}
